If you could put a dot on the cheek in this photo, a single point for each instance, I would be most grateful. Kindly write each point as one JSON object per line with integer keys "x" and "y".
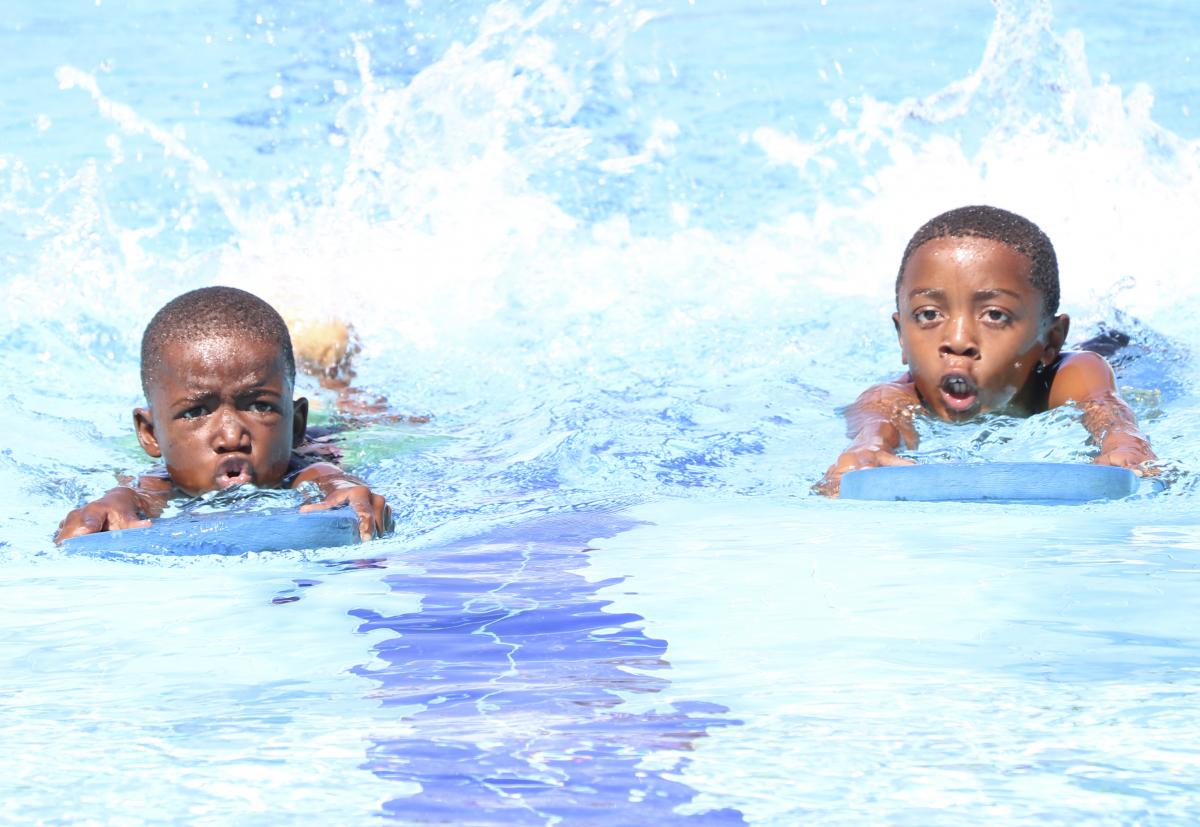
{"x": 917, "y": 353}
{"x": 173, "y": 438}
{"x": 1030, "y": 357}
{"x": 279, "y": 438}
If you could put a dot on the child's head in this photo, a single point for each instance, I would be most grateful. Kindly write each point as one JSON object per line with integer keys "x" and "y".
{"x": 218, "y": 374}
{"x": 976, "y": 297}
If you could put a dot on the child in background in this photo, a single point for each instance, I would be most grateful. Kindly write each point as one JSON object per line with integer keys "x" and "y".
{"x": 977, "y": 297}
{"x": 218, "y": 372}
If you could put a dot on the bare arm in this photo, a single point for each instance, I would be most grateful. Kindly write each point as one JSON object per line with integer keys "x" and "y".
{"x": 126, "y": 506}
{"x": 1086, "y": 380}
{"x": 340, "y": 488}
{"x": 878, "y": 423}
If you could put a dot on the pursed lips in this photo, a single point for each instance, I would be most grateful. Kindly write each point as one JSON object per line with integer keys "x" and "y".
{"x": 235, "y": 470}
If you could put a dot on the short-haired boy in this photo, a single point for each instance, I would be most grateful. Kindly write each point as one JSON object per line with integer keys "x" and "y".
{"x": 218, "y": 372}
{"x": 976, "y": 297}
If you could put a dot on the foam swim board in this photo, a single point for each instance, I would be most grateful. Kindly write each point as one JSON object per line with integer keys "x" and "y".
{"x": 228, "y": 532}
{"x": 1057, "y": 482}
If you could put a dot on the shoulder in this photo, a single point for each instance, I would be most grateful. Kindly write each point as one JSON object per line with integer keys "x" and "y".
{"x": 900, "y": 387}
{"x": 1080, "y": 375}
{"x": 891, "y": 398}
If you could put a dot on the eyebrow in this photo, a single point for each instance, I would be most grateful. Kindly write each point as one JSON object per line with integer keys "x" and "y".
{"x": 996, "y": 291}
{"x": 189, "y": 400}
{"x": 929, "y": 292}
{"x": 980, "y": 295}
{"x": 249, "y": 389}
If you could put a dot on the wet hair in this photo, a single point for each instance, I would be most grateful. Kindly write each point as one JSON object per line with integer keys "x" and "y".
{"x": 208, "y": 312}
{"x": 1010, "y": 229}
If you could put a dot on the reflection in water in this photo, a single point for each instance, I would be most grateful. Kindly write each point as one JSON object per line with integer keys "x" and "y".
{"x": 521, "y": 677}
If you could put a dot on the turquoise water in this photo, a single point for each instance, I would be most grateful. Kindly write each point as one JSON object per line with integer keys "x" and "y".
{"x": 630, "y": 258}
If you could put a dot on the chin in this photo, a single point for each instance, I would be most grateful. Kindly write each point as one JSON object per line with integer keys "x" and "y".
{"x": 963, "y": 416}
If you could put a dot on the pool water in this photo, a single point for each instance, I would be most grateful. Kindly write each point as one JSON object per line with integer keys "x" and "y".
{"x": 630, "y": 258}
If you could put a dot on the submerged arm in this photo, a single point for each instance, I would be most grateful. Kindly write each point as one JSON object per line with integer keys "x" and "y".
{"x": 1086, "y": 380}
{"x": 878, "y": 423}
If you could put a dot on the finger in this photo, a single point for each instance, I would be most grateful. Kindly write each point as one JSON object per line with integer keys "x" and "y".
{"x": 367, "y": 527}
{"x": 359, "y": 500}
{"x": 366, "y": 522}
{"x": 849, "y": 462}
{"x": 64, "y": 531}
{"x": 1141, "y": 467}
{"x": 892, "y": 459}
{"x": 332, "y": 501}
{"x": 1135, "y": 464}
{"x": 1114, "y": 459}
{"x": 120, "y": 520}
{"x": 77, "y": 523}
{"x": 383, "y": 515}
{"x": 366, "y": 506}
{"x": 829, "y": 484}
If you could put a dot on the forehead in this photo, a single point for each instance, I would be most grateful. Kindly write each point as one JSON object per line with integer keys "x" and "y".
{"x": 980, "y": 263}
{"x": 219, "y": 360}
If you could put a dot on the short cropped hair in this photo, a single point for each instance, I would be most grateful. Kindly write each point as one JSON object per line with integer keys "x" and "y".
{"x": 1010, "y": 229}
{"x": 213, "y": 311}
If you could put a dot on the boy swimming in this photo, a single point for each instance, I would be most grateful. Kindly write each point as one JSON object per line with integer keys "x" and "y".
{"x": 218, "y": 372}
{"x": 976, "y": 298}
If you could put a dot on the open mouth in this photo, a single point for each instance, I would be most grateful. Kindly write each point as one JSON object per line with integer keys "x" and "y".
{"x": 234, "y": 471}
{"x": 958, "y": 392}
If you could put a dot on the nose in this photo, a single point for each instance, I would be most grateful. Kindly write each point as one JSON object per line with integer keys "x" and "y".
{"x": 231, "y": 433}
{"x": 960, "y": 339}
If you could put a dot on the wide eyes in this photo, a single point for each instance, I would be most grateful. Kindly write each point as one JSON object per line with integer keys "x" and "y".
{"x": 257, "y": 406}
{"x": 993, "y": 316}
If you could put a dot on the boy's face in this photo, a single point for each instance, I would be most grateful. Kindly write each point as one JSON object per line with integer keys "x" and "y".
{"x": 221, "y": 413}
{"x": 972, "y": 326}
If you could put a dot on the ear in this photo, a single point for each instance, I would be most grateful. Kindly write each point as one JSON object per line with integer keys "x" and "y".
{"x": 1055, "y": 337}
{"x": 903, "y": 352}
{"x": 299, "y": 420}
{"x": 143, "y": 426}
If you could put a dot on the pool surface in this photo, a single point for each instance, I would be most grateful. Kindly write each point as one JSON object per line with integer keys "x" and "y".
{"x": 630, "y": 259}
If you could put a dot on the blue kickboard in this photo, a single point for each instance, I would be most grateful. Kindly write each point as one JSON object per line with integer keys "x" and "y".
{"x": 1046, "y": 482}
{"x": 230, "y": 532}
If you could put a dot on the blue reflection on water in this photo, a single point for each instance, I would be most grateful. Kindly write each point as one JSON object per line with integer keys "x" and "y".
{"x": 522, "y": 676}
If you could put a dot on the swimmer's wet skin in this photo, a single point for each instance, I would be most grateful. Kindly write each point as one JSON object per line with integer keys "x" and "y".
{"x": 976, "y": 303}
{"x": 218, "y": 373}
